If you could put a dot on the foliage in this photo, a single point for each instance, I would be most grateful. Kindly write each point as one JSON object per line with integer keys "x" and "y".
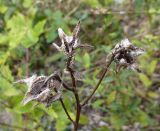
{"x": 27, "y": 30}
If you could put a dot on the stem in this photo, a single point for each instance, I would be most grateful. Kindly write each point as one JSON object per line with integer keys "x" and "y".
{"x": 99, "y": 82}
{"x": 69, "y": 117}
{"x": 65, "y": 109}
{"x": 78, "y": 106}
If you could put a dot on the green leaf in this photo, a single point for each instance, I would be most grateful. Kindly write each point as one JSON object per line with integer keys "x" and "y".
{"x": 86, "y": 60}
{"x": 49, "y": 111}
{"x": 153, "y": 94}
{"x": 6, "y": 72}
{"x": 3, "y": 39}
{"x": 32, "y": 34}
{"x": 117, "y": 121}
{"x": 3, "y": 8}
{"x": 152, "y": 66}
{"x": 145, "y": 80}
{"x": 38, "y": 28}
{"x": 51, "y": 35}
{"x": 53, "y": 58}
{"x": 3, "y": 57}
{"x": 27, "y": 3}
{"x": 93, "y": 3}
{"x": 7, "y": 88}
{"x": 97, "y": 103}
{"x": 143, "y": 118}
{"x": 111, "y": 97}
{"x": 83, "y": 120}
{"x": 23, "y": 108}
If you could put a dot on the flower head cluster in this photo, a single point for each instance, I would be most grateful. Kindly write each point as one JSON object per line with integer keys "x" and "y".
{"x": 42, "y": 89}
{"x": 125, "y": 55}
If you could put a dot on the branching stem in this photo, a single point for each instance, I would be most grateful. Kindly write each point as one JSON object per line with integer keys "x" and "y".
{"x": 99, "y": 82}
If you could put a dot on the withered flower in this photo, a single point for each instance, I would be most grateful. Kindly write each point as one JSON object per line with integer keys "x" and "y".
{"x": 125, "y": 55}
{"x": 42, "y": 89}
{"x": 69, "y": 43}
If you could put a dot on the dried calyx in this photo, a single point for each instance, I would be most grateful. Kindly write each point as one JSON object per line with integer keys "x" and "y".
{"x": 43, "y": 89}
{"x": 125, "y": 55}
{"x": 69, "y": 43}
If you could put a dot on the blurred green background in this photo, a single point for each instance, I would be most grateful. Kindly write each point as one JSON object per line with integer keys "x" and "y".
{"x": 124, "y": 101}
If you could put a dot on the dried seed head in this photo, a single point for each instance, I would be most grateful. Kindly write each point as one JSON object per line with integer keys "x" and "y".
{"x": 69, "y": 43}
{"x": 125, "y": 55}
{"x": 41, "y": 89}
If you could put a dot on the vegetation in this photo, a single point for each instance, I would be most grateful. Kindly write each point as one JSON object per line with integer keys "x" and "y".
{"x": 124, "y": 101}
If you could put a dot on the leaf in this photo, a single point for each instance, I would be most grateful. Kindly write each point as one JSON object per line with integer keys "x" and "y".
{"x": 49, "y": 111}
{"x": 6, "y": 72}
{"x": 7, "y": 88}
{"x": 108, "y": 79}
{"x": 145, "y": 80}
{"x": 38, "y": 28}
{"x": 97, "y": 103}
{"x": 3, "y": 8}
{"x": 86, "y": 60}
{"x": 53, "y": 58}
{"x": 32, "y": 34}
{"x": 51, "y": 35}
{"x": 152, "y": 66}
{"x": 143, "y": 118}
{"x": 111, "y": 97}
{"x": 3, "y": 39}
{"x": 23, "y": 109}
{"x": 83, "y": 120}
{"x": 153, "y": 94}
{"x": 117, "y": 121}
{"x": 27, "y": 3}
{"x": 3, "y": 57}
{"x": 93, "y": 3}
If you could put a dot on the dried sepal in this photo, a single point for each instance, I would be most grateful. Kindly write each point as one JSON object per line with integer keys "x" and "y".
{"x": 69, "y": 43}
{"x": 75, "y": 35}
{"x": 125, "y": 55}
{"x": 42, "y": 89}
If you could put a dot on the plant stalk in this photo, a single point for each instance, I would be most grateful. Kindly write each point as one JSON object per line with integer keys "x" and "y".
{"x": 99, "y": 82}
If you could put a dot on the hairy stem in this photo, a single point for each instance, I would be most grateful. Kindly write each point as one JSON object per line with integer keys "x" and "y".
{"x": 99, "y": 82}
{"x": 78, "y": 106}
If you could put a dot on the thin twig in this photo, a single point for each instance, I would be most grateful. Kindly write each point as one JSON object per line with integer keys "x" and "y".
{"x": 99, "y": 82}
{"x": 65, "y": 109}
